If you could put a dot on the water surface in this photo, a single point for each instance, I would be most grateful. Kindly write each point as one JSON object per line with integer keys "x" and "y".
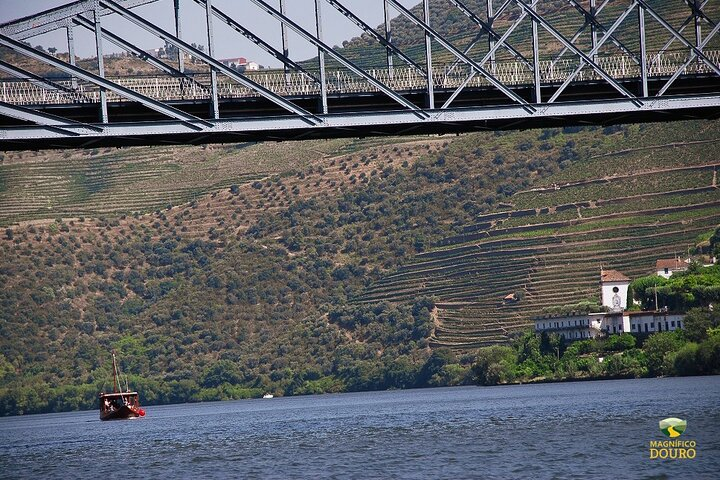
{"x": 563, "y": 430}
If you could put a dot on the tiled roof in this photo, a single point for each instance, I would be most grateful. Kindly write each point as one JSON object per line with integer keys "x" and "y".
{"x": 670, "y": 264}
{"x": 613, "y": 276}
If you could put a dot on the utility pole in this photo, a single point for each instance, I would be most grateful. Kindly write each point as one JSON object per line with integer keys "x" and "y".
{"x": 656, "y": 302}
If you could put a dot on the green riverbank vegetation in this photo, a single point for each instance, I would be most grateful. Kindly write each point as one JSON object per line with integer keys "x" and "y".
{"x": 536, "y": 358}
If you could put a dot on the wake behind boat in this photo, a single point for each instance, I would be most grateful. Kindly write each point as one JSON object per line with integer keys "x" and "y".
{"x": 119, "y": 405}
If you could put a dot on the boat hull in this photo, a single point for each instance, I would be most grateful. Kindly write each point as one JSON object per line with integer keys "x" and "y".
{"x": 121, "y": 413}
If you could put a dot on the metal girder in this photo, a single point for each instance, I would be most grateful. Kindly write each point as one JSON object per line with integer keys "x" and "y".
{"x": 55, "y": 18}
{"x": 214, "y": 107}
{"x": 687, "y": 21}
{"x": 578, "y": 33}
{"x": 241, "y": 79}
{"x": 34, "y": 79}
{"x": 591, "y": 19}
{"x": 54, "y": 122}
{"x": 160, "y": 107}
{"x": 289, "y": 127}
{"x": 452, "y": 49}
{"x": 643, "y": 52}
{"x": 679, "y": 36}
{"x": 584, "y": 58}
{"x": 242, "y": 30}
{"x": 321, "y": 58}
{"x": 428, "y": 57}
{"x": 100, "y": 56}
{"x": 490, "y": 54}
{"x": 388, "y": 37}
{"x": 486, "y": 28}
{"x": 373, "y": 33}
{"x": 340, "y": 58}
{"x": 129, "y": 47}
{"x": 693, "y": 56}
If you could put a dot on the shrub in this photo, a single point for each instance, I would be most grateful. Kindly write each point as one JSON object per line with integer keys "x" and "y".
{"x": 495, "y": 365}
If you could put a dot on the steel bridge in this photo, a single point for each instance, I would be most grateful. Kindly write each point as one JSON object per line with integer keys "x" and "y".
{"x": 518, "y": 64}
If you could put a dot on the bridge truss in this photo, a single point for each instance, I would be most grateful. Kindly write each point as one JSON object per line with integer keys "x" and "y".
{"x": 518, "y": 64}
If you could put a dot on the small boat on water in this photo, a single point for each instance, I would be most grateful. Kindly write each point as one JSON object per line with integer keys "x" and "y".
{"x": 268, "y": 395}
{"x": 119, "y": 405}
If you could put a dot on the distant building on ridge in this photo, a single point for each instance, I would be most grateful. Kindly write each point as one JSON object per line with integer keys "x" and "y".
{"x": 666, "y": 267}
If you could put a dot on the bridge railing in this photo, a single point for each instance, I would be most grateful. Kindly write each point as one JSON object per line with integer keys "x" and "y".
{"x": 343, "y": 82}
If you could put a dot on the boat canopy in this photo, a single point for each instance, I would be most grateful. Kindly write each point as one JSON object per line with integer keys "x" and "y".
{"x": 119, "y": 394}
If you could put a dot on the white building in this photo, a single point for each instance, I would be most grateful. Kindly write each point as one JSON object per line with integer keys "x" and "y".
{"x": 666, "y": 267}
{"x": 571, "y": 327}
{"x": 614, "y": 287}
{"x": 651, "y": 322}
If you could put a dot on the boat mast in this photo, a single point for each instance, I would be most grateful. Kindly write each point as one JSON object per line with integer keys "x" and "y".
{"x": 116, "y": 380}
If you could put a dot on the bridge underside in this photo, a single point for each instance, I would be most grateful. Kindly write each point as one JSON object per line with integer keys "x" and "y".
{"x": 255, "y": 119}
{"x": 523, "y": 68}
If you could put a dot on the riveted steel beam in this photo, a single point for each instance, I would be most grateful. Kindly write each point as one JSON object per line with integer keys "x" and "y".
{"x": 340, "y": 58}
{"x": 452, "y": 49}
{"x": 129, "y": 47}
{"x": 376, "y": 123}
{"x": 238, "y": 77}
{"x": 160, "y": 107}
{"x": 49, "y": 20}
{"x": 245, "y": 32}
{"x": 376, "y": 35}
{"x": 59, "y": 124}
{"x": 584, "y": 58}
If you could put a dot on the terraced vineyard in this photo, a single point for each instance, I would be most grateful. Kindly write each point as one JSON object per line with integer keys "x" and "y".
{"x": 550, "y": 251}
{"x": 48, "y": 185}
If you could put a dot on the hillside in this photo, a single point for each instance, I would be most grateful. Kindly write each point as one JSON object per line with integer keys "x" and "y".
{"x": 307, "y": 267}
{"x": 341, "y": 273}
{"x": 622, "y": 207}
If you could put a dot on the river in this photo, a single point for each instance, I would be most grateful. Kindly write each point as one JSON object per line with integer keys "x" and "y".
{"x": 574, "y": 430}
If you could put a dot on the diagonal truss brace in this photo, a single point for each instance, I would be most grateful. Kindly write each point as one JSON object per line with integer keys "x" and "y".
{"x": 486, "y": 28}
{"x": 578, "y": 33}
{"x": 679, "y": 36}
{"x": 35, "y": 79}
{"x": 373, "y": 33}
{"x": 682, "y": 27}
{"x": 692, "y": 57}
{"x": 102, "y": 82}
{"x": 591, "y": 19}
{"x": 341, "y": 59}
{"x": 258, "y": 41}
{"x": 129, "y": 47}
{"x": 47, "y": 120}
{"x": 585, "y": 59}
{"x": 451, "y": 48}
{"x": 489, "y": 55}
{"x": 55, "y": 18}
{"x": 241, "y": 79}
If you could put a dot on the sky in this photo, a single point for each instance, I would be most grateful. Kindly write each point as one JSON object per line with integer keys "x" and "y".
{"x": 228, "y": 43}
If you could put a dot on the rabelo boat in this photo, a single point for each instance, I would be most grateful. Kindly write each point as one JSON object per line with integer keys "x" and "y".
{"x": 119, "y": 405}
